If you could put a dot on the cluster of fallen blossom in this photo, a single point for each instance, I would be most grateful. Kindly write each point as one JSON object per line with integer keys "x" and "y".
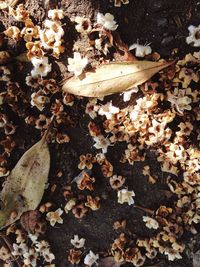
{"x": 163, "y": 119}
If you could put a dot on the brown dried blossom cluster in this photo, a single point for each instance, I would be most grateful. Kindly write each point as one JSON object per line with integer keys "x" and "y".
{"x": 150, "y": 124}
{"x": 164, "y": 118}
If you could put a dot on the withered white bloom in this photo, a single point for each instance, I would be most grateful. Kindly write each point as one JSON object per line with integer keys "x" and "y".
{"x": 125, "y": 196}
{"x": 54, "y": 217}
{"x": 77, "y": 64}
{"x": 19, "y": 250}
{"x": 141, "y": 50}
{"x": 108, "y": 110}
{"x": 30, "y": 257}
{"x": 180, "y": 102}
{"x": 194, "y": 36}
{"x": 33, "y": 238}
{"x": 101, "y": 143}
{"x": 55, "y": 14}
{"x": 78, "y": 242}
{"x": 150, "y": 222}
{"x": 38, "y": 99}
{"x": 42, "y": 247}
{"x": 107, "y": 21}
{"x": 157, "y": 132}
{"x": 41, "y": 67}
{"x": 127, "y": 95}
{"x": 83, "y": 24}
{"x": 101, "y": 46}
{"x": 55, "y": 29}
{"x": 69, "y": 205}
{"x": 91, "y": 258}
{"x": 172, "y": 254}
{"x": 92, "y": 108}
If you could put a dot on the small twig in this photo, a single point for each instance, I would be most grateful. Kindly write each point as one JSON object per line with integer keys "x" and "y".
{"x": 9, "y": 245}
{"x": 44, "y": 137}
{"x": 144, "y": 209}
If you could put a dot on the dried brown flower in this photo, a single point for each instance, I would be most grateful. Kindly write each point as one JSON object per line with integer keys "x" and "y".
{"x": 107, "y": 169}
{"x": 117, "y": 181}
{"x": 93, "y": 203}
{"x": 86, "y": 161}
{"x": 85, "y": 182}
{"x": 79, "y": 210}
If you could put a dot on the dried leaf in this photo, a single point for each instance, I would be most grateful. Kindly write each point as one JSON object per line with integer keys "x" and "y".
{"x": 24, "y": 187}
{"x": 29, "y": 220}
{"x": 108, "y": 262}
{"x": 113, "y": 78}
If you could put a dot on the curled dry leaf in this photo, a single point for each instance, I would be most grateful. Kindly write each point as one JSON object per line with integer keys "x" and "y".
{"x": 29, "y": 220}
{"x": 113, "y": 78}
{"x": 108, "y": 262}
{"x": 24, "y": 187}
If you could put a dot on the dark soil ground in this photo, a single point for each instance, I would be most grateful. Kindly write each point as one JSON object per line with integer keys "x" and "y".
{"x": 163, "y": 23}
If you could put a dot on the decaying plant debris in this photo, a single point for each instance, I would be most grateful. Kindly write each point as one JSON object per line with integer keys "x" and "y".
{"x": 123, "y": 185}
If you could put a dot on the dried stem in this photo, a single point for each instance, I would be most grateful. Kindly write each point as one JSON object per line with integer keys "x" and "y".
{"x": 9, "y": 245}
{"x": 145, "y": 209}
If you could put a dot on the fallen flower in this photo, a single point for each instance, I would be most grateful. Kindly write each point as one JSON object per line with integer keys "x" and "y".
{"x": 41, "y": 67}
{"x": 194, "y": 36}
{"x": 107, "y": 21}
{"x": 55, "y": 14}
{"x": 127, "y": 95}
{"x": 91, "y": 258}
{"x": 125, "y": 196}
{"x": 77, "y": 64}
{"x": 141, "y": 50}
{"x": 78, "y": 242}
{"x": 83, "y": 24}
{"x": 13, "y": 32}
{"x": 118, "y": 2}
{"x": 150, "y": 222}
{"x": 30, "y": 258}
{"x": 101, "y": 143}
{"x": 108, "y": 110}
{"x": 19, "y": 250}
{"x": 54, "y": 217}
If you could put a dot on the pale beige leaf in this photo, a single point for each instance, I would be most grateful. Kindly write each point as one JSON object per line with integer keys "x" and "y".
{"x": 24, "y": 187}
{"x": 113, "y": 78}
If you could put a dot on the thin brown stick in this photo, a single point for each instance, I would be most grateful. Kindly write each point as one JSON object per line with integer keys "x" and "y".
{"x": 9, "y": 245}
{"x": 44, "y": 137}
{"x": 145, "y": 209}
